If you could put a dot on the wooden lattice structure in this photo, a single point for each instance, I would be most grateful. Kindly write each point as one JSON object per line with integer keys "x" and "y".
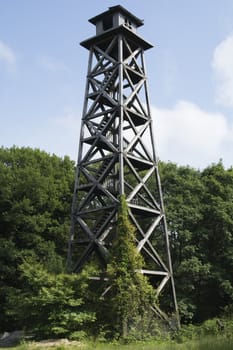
{"x": 117, "y": 154}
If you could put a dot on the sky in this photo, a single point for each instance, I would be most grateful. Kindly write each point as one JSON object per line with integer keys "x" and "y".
{"x": 189, "y": 69}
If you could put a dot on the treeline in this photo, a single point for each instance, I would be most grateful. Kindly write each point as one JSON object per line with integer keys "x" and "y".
{"x": 35, "y": 200}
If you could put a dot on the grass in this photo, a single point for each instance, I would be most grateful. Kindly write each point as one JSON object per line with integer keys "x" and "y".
{"x": 208, "y": 343}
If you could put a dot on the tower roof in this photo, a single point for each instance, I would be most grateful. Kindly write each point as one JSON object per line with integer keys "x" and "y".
{"x": 143, "y": 43}
{"x": 114, "y": 9}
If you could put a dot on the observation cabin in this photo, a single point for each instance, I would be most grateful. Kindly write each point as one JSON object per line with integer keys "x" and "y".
{"x": 116, "y": 19}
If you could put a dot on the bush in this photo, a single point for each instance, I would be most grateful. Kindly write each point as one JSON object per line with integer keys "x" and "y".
{"x": 50, "y": 305}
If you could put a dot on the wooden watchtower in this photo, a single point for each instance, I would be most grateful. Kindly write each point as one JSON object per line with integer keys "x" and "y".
{"x": 117, "y": 154}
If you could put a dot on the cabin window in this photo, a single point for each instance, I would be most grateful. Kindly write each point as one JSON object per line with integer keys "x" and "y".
{"x": 107, "y": 23}
{"x": 128, "y": 23}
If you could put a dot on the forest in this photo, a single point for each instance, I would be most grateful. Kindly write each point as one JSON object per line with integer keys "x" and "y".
{"x": 38, "y": 295}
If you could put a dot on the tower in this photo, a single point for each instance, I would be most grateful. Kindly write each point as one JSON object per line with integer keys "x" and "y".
{"x": 117, "y": 155}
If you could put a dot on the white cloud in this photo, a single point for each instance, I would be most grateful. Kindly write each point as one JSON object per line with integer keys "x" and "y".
{"x": 223, "y": 70}
{"x": 188, "y": 135}
{"x": 184, "y": 134}
{"x": 51, "y": 64}
{"x": 6, "y": 54}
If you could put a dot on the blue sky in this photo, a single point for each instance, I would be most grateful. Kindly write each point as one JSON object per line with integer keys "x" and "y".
{"x": 190, "y": 74}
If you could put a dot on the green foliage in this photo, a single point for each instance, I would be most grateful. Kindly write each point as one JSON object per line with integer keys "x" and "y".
{"x": 214, "y": 328}
{"x": 199, "y": 211}
{"x": 216, "y": 243}
{"x": 215, "y": 344}
{"x": 35, "y": 200}
{"x": 51, "y": 305}
{"x": 35, "y": 197}
{"x": 205, "y": 343}
{"x": 128, "y": 302}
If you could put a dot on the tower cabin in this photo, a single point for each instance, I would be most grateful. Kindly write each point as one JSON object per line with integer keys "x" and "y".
{"x": 116, "y": 20}
{"x": 116, "y": 16}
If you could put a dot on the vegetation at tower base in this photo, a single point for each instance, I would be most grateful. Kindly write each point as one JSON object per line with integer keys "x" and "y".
{"x": 35, "y": 199}
{"x": 127, "y": 303}
{"x": 50, "y": 305}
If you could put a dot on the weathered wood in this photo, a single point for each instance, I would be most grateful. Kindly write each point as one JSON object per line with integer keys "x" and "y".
{"x": 117, "y": 156}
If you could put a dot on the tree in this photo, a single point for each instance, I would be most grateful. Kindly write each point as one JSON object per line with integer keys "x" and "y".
{"x": 183, "y": 191}
{"x": 199, "y": 212}
{"x": 216, "y": 240}
{"x": 35, "y": 200}
{"x": 127, "y": 304}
